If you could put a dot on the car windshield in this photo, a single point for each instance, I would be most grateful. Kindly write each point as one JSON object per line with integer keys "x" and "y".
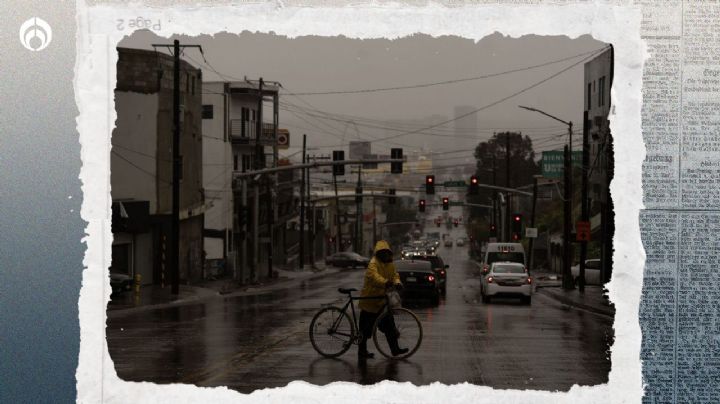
{"x": 508, "y": 269}
{"x": 506, "y": 256}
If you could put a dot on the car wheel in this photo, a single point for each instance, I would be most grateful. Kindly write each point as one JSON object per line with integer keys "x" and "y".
{"x": 485, "y": 299}
{"x": 444, "y": 290}
{"x": 527, "y": 300}
{"x": 436, "y": 299}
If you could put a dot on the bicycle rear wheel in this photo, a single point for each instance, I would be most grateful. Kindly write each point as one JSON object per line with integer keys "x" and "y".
{"x": 407, "y": 328}
{"x": 332, "y": 332}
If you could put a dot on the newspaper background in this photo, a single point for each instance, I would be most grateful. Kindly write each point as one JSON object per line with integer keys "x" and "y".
{"x": 679, "y": 119}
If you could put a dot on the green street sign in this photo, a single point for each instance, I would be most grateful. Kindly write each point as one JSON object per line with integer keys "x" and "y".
{"x": 553, "y": 161}
{"x": 454, "y": 184}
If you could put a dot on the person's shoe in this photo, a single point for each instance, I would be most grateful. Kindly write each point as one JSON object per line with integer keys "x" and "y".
{"x": 365, "y": 355}
{"x": 400, "y": 351}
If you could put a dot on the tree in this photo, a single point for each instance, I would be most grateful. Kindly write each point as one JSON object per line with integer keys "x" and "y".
{"x": 492, "y": 160}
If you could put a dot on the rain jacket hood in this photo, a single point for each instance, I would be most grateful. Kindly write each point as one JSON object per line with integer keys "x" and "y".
{"x": 377, "y": 275}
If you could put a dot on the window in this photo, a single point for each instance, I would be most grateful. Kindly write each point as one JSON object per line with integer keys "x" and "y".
{"x": 246, "y": 162}
{"x": 207, "y": 111}
{"x": 589, "y": 96}
{"x": 253, "y": 115}
{"x": 601, "y": 91}
{"x": 187, "y": 83}
{"x": 235, "y": 162}
{"x": 193, "y": 85}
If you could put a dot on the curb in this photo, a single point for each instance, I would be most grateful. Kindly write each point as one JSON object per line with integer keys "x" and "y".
{"x": 216, "y": 294}
{"x": 605, "y": 311}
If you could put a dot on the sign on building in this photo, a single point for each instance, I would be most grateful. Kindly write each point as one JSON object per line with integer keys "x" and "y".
{"x": 531, "y": 232}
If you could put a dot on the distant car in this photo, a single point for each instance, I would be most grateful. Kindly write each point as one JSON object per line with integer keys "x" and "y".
{"x": 448, "y": 242}
{"x": 592, "y": 272}
{"x": 347, "y": 260}
{"x": 438, "y": 267}
{"x": 460, "y": 242}
{"x": 418, "y": 280}
{"x": 507, "y": 278}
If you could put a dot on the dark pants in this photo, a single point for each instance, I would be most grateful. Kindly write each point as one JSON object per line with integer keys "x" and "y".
{"x": 387, "y": 326}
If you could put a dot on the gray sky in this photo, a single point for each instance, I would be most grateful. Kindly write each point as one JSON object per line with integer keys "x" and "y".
{"x": 316, "y": 64}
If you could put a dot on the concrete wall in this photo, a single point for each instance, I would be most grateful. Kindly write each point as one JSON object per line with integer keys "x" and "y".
{"x": 133, "y": 167}
{"x": 217, "y": 170}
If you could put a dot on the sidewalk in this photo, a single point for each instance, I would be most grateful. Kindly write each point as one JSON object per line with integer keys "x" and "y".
{"x": 154, "y": 297}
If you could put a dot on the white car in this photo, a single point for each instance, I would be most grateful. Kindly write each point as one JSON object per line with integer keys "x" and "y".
{"x": 592, "y": 272}
{"x": 448, "y": 242}
{"x": 507, "y": 278}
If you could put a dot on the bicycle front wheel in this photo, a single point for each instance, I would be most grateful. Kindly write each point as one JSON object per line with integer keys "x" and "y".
{"x": 332, "y": 332}
{"x": 401, "y": 324}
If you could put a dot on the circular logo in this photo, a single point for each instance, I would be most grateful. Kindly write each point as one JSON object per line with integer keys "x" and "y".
{"x": 35, "y": 34}
{"x": 282, "y": 139}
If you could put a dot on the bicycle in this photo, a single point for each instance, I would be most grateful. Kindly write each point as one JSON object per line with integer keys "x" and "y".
{"x": 332, "y": 332}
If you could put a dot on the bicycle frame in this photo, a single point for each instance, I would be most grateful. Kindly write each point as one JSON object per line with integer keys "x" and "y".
{"x": 349, "y": 302}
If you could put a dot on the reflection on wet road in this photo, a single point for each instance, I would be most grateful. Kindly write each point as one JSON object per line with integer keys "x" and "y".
{"x": 253, "y": 342}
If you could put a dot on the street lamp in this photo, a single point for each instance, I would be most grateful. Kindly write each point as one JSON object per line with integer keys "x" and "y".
{"x": 567, "y": 282}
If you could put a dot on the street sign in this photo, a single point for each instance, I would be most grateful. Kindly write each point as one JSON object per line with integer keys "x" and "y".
{"x": 456, "y": 203}
{"x": 531, "y": 232}
{"x": 583, "y": 231}
{"x": 553, "y": 162}
{"x": 454, "y": 184}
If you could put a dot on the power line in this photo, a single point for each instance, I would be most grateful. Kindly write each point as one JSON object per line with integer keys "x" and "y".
{"x": 425, "y": 85}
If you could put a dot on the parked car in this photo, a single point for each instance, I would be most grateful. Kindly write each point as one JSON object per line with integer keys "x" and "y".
{"x": 347, "y": 260}
{"x": 438, "y": 267}
{"x": 120, "y": 282}
{"x": 460, "y": 242}
{"x": 448, "y": 242}
{"x": 592, "y": 272}
{"x": 418, "y": 280}
{"x": 507, "y": 278}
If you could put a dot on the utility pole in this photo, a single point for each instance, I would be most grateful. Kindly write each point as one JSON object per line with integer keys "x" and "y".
{"x": 301, "y": 253}
{"x": 311, "y": 218}
{"x": 567, "y": 256}
{"x": 507, "y": 185}
{"x": 175, "y": 229}
{"x": 584, "y": 214}
{"x": 532, "y": 222}
{"x": 374, "y": 220}
{"x": 359, "y": 214}
{"x": 495, "y": 194}
{"x": 338, "y": 236}
{"x": 176, "y": 157}
{"x": 244, "y": 231}
{"x": 567, "y": 203}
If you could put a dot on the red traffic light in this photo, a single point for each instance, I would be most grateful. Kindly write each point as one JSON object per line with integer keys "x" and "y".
{"x": 446, "y": 200}
{"x": 473, "y": 180}
{"x": 430, "y": 179}
{"x": 516, "y": 218}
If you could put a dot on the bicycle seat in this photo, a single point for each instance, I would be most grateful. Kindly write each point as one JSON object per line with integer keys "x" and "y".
{"x": 347, "y": 291}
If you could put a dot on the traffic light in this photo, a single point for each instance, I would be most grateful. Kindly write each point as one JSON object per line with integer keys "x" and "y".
{"x": 421, "y": 205}
{"x": 396, "y": 168}
{"x": 474, "y": 187}
{"x": 493, "y": 230}
{"x": 338, "y": 169}
{"x": 446, "y": 203}
{"x": 456, "y": 222}
{"x": 391, "y": 199}
{"x": 516, "y": 227}
{"x": 430, "y": 184}
{"x": 358, "y": 194}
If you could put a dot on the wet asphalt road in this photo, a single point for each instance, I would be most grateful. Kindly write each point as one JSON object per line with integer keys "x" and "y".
{"x": 253, "y": 342}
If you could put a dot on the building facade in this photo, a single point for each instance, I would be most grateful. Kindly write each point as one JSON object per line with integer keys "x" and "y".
{"x": 141, "y": 172}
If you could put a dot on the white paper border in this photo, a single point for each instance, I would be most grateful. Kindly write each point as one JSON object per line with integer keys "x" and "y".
{"x": 95, "y": 73}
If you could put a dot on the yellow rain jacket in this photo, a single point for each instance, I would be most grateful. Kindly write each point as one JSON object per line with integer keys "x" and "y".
{"x": 376, "y": 275}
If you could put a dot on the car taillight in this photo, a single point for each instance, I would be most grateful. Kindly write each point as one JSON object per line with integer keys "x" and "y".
{"x": 431, "y": 278}
{"x": 485, "y": 269}
{"x": 490, "y": 279}
{"x": 442, "y": 272}
{"x": 529, "y": 280}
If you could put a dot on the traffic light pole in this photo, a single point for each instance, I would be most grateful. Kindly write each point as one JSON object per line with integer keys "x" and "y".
{"x": 301, "y": 253}
{"x": 584, "y": 214}
{"x": 567, "y": 282}
{"x": 338, "y": 235}
{"x": 532, "y": 223}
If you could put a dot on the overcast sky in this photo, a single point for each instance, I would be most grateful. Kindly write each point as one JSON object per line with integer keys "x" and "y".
{"x": 317, "y": 64}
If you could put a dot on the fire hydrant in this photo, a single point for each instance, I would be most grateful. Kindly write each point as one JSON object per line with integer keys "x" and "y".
{"x": 138, "y": 279}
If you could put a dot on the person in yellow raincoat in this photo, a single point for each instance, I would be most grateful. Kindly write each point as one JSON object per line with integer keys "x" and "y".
{"x": 379, "y": 275}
